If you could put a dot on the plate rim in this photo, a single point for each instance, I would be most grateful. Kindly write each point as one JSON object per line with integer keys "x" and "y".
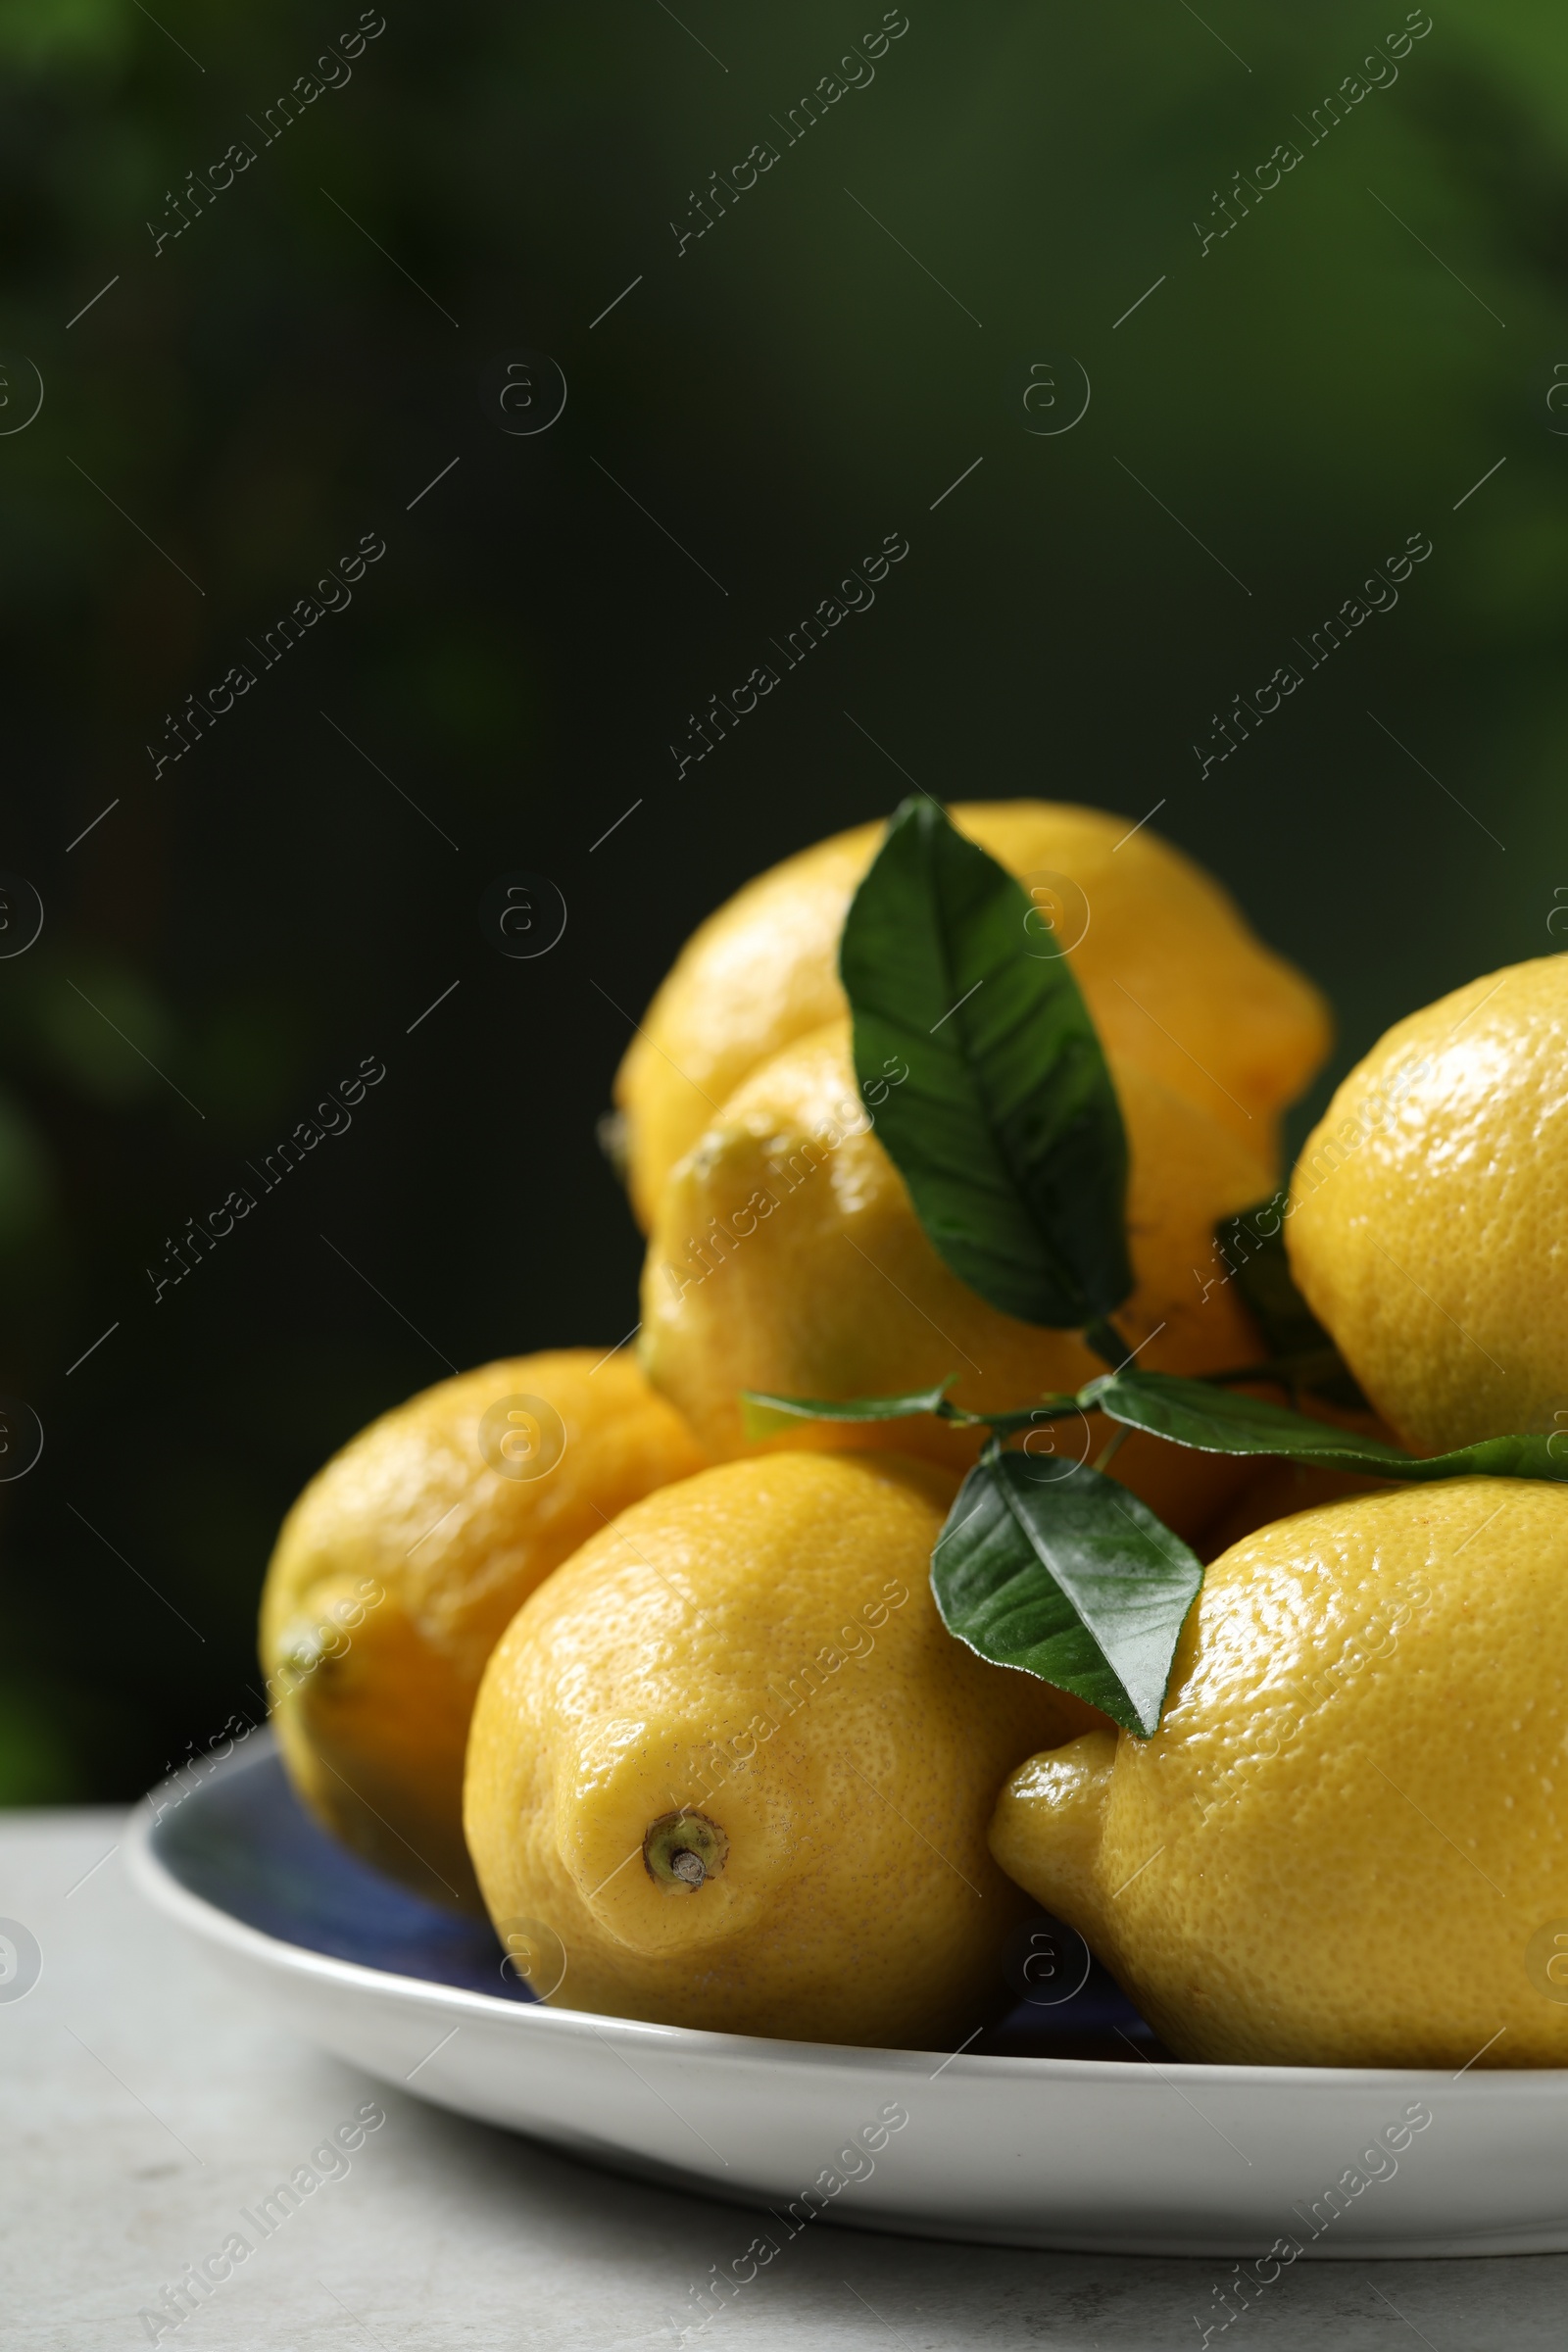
{"x": 156, "y": 1881}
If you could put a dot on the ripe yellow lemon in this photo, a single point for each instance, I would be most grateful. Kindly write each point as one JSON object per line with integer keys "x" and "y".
{"x": 787, "y": 1257}
{"x": 403, "y": 1560}
{"x": 727, "y": 1768}
{"x": 1347, "y": 1842}
{"x": 1429, "y": 1214}
{"x": 1175, "y": 979}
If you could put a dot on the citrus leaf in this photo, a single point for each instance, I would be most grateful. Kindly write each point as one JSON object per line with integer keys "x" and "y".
{"x": 1218, "y": 1420}
{"x": 1007, "y": 1131}
{"x": 764, "y": 1416}
{"x": 1069, "y": 1578}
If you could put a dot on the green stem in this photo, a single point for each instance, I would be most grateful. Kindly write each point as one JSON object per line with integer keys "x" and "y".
{"x": 1112, "y": 1446}
{"x": 1030, "y": 1416}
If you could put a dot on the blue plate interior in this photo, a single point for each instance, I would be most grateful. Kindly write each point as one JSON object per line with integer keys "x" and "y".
{"x": 242, "y": 1841}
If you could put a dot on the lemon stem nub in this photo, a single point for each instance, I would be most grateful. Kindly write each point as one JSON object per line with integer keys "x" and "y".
{"x": 681, "y": 1851}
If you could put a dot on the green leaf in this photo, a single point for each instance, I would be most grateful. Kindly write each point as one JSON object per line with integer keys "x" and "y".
{"x": 1069, "y": 1578}
{"x": 1255, "y": 1259}
{"x": 764, "y": 1416}
{"x": 1218, "y": 1420}
{"x": 1007, "y": 1131}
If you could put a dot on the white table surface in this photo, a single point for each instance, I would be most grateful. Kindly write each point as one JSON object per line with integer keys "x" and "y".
{"x": 143, "y": 2106}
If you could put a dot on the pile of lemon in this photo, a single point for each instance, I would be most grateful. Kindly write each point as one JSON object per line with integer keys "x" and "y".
{"x": 675, "y": 1703}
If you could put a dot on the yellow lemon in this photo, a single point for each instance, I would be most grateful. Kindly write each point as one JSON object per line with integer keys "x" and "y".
{"x": 403, "y": 1560}
{"x": 1429, "y": 1214}
{"x": 787, "y": 1257}
{"x": 1347, "y": 1842}
{"x": 727, "y": 1768}
{"x": 1176, "y": 980}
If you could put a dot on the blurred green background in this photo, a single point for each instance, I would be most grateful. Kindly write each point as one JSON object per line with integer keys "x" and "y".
{"x": 244, "y": 401}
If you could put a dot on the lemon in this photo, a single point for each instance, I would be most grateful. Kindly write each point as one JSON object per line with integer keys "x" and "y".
{"x": 1175, "y": 979}
{"x": 402, "y": 1562}
{"x": 786, "y": 1262}
{"x": 1429, "y": 1214}
{"x": 1347, "y": 1842}
{"x": 727, "y": 1769}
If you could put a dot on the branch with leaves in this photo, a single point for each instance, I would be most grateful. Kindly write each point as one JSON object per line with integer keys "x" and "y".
{"x": 1009, "y": 1138}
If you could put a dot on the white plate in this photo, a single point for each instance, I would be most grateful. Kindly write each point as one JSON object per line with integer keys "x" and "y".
{"x": 1138, "y": 2154}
